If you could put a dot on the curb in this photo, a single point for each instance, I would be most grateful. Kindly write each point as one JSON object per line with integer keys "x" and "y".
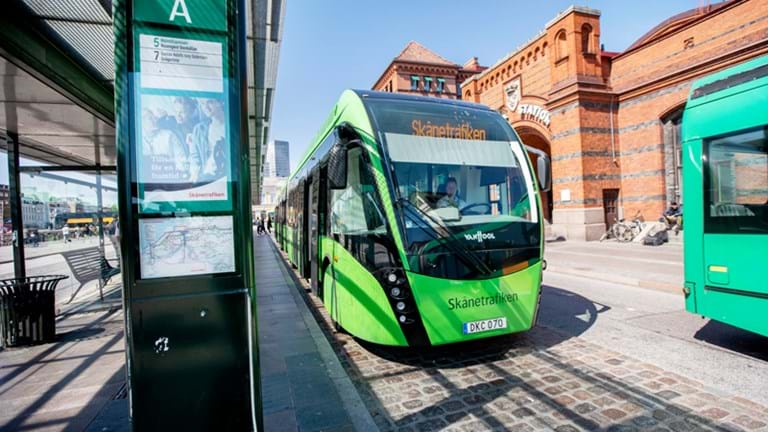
{"x": 623, "y": 280}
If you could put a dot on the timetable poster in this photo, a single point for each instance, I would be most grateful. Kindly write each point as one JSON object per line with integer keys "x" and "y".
{"x": 184, "y": 142}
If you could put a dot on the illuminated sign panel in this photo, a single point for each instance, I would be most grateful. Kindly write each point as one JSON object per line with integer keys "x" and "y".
{"x": 447, "y": 130}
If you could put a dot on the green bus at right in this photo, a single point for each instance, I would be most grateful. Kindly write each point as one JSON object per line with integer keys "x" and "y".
{"x": 725, "y": 182}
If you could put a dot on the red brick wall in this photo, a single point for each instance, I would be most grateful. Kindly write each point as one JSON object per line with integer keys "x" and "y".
{"x": 639, "y": 86}
{"x": 655, "y": 79}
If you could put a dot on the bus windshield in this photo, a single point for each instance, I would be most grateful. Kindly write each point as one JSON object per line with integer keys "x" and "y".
{"x": 462, "y": 182}
{"x": 460, "y": 177}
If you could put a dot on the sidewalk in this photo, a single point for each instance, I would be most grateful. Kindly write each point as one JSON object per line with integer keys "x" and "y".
{"x": 655, "y": 267}
{"x": 304, "y": 387}
{"x": 78, "y": 382}
{"x": 65, "y": 385}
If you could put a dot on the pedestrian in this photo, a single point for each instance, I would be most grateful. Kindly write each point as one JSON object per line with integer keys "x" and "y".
{"x": 673, "y": 217}
{"x": 260, "y": 227}
{"x": 65, "y": 234}
{"x": 269, "y": 225}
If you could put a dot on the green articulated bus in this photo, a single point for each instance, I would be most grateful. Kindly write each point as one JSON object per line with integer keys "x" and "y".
{"x": 725, "y": 181}
{"x": 418, "y": 220}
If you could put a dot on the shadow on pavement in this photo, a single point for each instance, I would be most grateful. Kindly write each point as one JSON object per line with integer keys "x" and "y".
{"x": 576, "y": 314}
{"x": 734, "y": 339}
{"x": 65, "y": 384}
{"x": 543, "y": 379}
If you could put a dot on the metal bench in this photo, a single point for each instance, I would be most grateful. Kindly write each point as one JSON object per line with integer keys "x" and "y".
{"x": 27, "y": 310}
{"x": 87, "y": 265}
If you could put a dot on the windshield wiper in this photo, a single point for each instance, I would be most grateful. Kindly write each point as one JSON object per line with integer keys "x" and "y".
{"x": 443, "y": 238}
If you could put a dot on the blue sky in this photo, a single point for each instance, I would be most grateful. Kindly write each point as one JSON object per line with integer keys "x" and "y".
{"x": 329, "y": 46}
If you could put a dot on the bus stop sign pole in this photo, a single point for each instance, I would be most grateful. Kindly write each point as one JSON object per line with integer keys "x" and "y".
{"x": 185, "y": 219}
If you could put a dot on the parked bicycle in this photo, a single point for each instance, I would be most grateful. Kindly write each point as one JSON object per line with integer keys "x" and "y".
{"x": 623, "y": 231}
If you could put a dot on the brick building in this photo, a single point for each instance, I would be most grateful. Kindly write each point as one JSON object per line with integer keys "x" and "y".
{"x": 611, "y": 121}
{"x": 419, "y": 71}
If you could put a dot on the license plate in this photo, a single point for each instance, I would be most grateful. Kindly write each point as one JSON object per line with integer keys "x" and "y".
{"x": 485, "y": 325}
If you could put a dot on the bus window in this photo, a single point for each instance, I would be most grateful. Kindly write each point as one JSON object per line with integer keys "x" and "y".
{"x": 356, "y": 210}
{"x": 736, "y": 184}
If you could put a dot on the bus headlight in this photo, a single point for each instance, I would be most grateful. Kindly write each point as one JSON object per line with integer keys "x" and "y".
{"x": 395, "y": 292}
{"x": 402, "y": 318}
{"x": 400, "y": 306}
{"x": 392, "y": 278}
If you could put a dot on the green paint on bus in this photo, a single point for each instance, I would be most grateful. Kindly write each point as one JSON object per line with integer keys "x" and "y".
{"x": 416, "y": 220}
{"x": 725, "y": 181}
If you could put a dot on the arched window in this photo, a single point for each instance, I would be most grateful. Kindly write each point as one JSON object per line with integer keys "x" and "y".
{"x": 561, "y": 45}
{"x": 586, "y": 39}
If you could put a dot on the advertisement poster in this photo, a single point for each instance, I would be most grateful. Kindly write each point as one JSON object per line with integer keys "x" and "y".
{"x": 186, "y": 246}
{"x": 184, "y": 145}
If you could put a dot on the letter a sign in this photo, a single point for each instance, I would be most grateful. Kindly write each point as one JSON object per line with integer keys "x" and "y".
{"x": 180, "y": 9}
{"x": 198, "y": 14}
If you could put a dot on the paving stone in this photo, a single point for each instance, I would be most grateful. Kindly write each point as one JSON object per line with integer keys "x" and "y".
{"x": 681, "y": 426}
{"x": 584, "y": 408}
{"x": 603, "y": 402}
{"x": 431, "y": 425}
{"x": 564, "y": 400}
{"x": 554, "y": 390}
{"x": 614, "y": 413}
{"x": 622, "y": 428}
{"x": 432, "y": 411}
{"x": 645, "y": 421}
{"x": 520, "y": 427}
{"x": 413, "y": 404}
{"x": 456, "y": 416}
{"x": 714, "y": 413}
{"x": 748, "y": 422}
{"x": 475, "y": 399}
{"x": 453, "y": 405}
{"x": 474, "y": 426}
{"x": 581, "y": 395}
{"x": 668, "y": 394}
{"x": 523, "y": 412}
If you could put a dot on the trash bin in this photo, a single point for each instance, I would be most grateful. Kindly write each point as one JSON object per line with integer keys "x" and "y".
{"x": 27, "y": 310}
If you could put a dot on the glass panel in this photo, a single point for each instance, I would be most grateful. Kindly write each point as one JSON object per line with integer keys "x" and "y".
{"x": 6, "y": 252}
{"x": 424, "y": 149}
{"x": 355, "y": 210}
{"x": 462, "y": 192}
{"x": 737, "y": 183}
{"x": 60, "y": 214}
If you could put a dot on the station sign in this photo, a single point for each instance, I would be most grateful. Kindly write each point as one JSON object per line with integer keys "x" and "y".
{"x": 185, "y": 213}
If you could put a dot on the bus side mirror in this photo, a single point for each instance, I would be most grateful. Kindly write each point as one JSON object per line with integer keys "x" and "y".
{"x": 337, "y": 167}
{"x": 544, "y": 173}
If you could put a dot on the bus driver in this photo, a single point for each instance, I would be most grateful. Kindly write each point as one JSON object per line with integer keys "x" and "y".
{"x": 451, "y": 198}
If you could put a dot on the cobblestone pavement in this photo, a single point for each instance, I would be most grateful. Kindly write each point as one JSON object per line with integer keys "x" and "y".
{"x": 540, "y": 380}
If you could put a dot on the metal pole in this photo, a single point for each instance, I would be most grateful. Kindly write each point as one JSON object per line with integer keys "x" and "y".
{"x": 14, "y": 179}
{"x": 14, "y": 197}
{"x": 100, "y": 228}
{"x": 99, "y": 212}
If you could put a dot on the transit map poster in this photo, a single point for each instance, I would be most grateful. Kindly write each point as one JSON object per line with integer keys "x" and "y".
{"x": 183, "y": 148}
{"x": 186, "y": 246}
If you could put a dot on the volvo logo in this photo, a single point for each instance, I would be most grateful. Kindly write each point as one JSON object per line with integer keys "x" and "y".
{"x": 480, "y": 236}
